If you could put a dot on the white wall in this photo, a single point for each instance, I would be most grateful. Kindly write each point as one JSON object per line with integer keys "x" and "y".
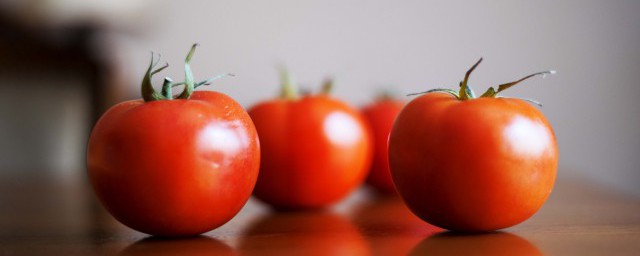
{"x": 416, "y": 45}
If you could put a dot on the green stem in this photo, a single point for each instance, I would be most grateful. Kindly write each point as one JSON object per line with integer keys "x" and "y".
{"x": 385, "y": 94}
{"x": 150, "y": 94}
{"x": 327, "y": 86}
{"x": 449, "y": 91}
{"x": 147, "y": 90}
{"x": 208, "y": 81}
{"x": 491, "y": 92}
{"x": 289, "y": 90}
{"x": 465, "y": 91}
{"x": 189, "y": 82}
{"x": 166, "y": 88}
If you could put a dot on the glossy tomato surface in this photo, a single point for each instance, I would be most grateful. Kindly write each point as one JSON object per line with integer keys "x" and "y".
{"x": 475, "y": 165}
{"x": 315, "y": 151}
{"x": 380, "y": 116}
{"x": 174, "y": 167}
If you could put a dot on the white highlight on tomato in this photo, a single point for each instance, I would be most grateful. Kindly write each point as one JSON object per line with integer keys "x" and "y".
{"x": 222, "y": 137}
{"x": 342, "y": 129}
{"x": 527, "y": 137}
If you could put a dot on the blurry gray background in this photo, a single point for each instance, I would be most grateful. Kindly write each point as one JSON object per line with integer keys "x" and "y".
{"x": 367, "y": 46}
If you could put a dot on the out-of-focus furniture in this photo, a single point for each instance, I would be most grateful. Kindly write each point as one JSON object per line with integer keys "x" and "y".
{"x": 55, "y": 82}
{"x": 33, "y": 50}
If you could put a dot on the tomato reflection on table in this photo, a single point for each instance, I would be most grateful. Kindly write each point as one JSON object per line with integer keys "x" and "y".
{"x": 303, "y": 233}
{"x": 493, "y": 243}
{"x": 389, "y": 225}
{"x": 199, "y": 245}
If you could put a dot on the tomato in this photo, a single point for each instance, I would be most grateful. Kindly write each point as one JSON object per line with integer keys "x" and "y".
{"x": 473, "y": 164}
{"x": 315, "y": 150}
{"x": 380, "y": 116}
{"x": 174, "y": 167}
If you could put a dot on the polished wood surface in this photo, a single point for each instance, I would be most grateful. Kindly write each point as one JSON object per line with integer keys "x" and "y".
{"x": 60, "y": 216}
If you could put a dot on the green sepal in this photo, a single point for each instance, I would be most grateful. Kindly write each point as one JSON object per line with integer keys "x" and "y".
{"x": 491, "y": 92}
{"x": 449, "y": 91}
{"x": 166, "y": 88}
{"x": 289, "y": 89}
{"x": 147, "y": 90}
{"x": 466, "y": 92}
{"x": 327, "y": 86}
{"x": 189, "y": 82}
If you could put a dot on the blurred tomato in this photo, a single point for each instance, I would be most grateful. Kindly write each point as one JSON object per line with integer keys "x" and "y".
{"x": 315, "y": 149}
{"x": 380, "y": 116}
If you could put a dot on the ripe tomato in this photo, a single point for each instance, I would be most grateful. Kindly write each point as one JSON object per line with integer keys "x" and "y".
{"x": 473, "y": 164}
{"x": 174, "y": 167}
{"x": 315, "y": 150}
{"x": 380, "y": 116}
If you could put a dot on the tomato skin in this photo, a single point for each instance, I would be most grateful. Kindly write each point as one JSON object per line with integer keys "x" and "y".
{"x": 315, "y": 151}
{"x": 380, "y": 116}
{"x": 174, "y": 167}
{"x": 476, "y": 165}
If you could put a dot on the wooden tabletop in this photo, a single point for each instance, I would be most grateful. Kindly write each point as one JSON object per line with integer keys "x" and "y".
{"x": 56, "y": 216}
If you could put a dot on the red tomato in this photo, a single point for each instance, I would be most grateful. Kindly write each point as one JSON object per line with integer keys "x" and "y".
{"x": 315, "y": 150}
{"x": 174, "y": 167}
{"x": 380, "y": 116}
{"x": 473, "y": 164}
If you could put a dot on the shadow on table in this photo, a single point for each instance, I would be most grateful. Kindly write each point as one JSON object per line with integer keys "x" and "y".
{"x": 494, "y": 243}
{"x": 303, "y": 233}
{"x": 390, "y": 227}
{"x": 200, "y": 245}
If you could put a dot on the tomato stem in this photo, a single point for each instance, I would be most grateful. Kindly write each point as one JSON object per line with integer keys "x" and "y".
{"x": 385, "y": 94}
{"x": 449, "y": 91}
{"x": 492, "y": 92}
{"x": 465, "y": 91}
{"x": 189, "y": 82}
{"x": 148, "y": 93}
{"x": 289, "y": 90}
{"x": 166, "y": 88}
{"x": 327, "y": 86}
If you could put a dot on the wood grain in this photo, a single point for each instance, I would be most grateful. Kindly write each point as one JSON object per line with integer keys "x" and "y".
{"x": 50, "y": 216}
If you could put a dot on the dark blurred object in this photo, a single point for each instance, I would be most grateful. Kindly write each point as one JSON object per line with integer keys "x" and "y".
{"x": 55, "y": 82}
{"x": 33, "y": 50}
